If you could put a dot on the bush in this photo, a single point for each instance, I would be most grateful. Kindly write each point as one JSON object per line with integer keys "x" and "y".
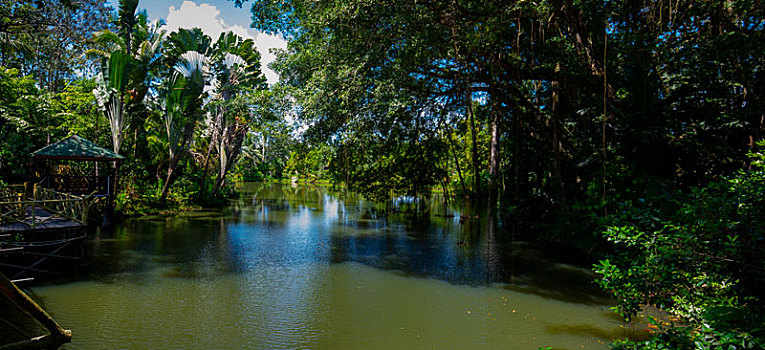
{"x": 702, "y": 263}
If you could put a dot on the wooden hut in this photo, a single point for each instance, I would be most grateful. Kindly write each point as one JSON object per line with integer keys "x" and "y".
{"x": 75, "y": 148}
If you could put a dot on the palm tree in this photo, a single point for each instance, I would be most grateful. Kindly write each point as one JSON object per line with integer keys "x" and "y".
{"x": 236, "y": 64}
{"x": 181, "y": 98}
{"x": 140, "y": 41}
{"x": 136, "y": 51}
{"x": 181, "y": 94}
{"x": 110, "y": 94}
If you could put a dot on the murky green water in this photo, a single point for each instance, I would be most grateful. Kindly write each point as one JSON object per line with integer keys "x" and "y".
{"x": 299, "y": 268}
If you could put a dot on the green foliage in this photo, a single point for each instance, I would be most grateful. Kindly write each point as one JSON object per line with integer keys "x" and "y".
{"x": 309, "y": 164}
{"x": 48, "y": 39}
{"x": 701, "y": 262}
{"x": 76, "y": 108}
{"x": 562, "y": 88}
{"x": 140, "y": 198}
{"x": 18, "y": 109}
{"x": 389, "y": 170}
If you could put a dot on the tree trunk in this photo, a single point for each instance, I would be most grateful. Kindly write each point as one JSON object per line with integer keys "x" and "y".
{"x": 135, "y": 143}
{"x": 347, "y": 166}
{"x": 457, "y": 164}
{"x": 204, "y": 172}
{"x": 169, "y": 178}
{"x": 214, "y": 139}
{"x": 230, "y": 148}
{"x": 516, "y": 152}
{"x": 557, "y": 171}
{"x": 476, "y": 161}
{"x": 494, "y": 157}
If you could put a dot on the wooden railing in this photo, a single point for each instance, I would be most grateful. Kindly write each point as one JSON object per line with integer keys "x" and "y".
{"x": 65, "y": 205}
{"x": 80, "y": 185}
{"x": 11, "y": 207}
{"x": 11, "y": 192}
{"x": 44, "y": 206}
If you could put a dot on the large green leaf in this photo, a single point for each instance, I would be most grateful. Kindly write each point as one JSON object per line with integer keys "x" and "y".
{"x": 117, "y": 70}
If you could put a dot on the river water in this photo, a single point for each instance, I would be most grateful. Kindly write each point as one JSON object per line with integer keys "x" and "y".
{"x": 299, "y": 267}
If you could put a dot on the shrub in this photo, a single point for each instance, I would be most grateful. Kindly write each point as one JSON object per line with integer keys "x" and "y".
{"x": 703, "y": 263}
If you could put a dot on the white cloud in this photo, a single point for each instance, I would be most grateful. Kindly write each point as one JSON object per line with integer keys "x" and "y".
{"x": 207, "y": 17}
{"x": 265, "y": 42}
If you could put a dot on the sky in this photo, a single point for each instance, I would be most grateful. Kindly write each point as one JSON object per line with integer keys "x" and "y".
{"x": 215, "y": 17}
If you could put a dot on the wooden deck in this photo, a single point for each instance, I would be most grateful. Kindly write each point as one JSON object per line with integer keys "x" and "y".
{"x": 39, "y": 219}
{"x": 43, "y": 210}
{"x": 41, "y": 230}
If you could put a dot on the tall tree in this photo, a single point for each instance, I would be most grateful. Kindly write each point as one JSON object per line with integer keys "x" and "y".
{"x": 111, "y": 94}
{"x": 136, "y": 47}
{"x": 182, "y": 93}
{"x": 236, "y": 65}
{"x": 51, "y": 38}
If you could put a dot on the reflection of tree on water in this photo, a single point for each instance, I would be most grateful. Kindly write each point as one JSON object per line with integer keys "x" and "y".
{"x": 272, "y": 225}
{"x": 491, "y": 254}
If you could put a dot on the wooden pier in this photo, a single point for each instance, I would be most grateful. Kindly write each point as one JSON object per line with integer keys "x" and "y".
{"x": 38, "y": 225}
{"x": 45, "y": 210}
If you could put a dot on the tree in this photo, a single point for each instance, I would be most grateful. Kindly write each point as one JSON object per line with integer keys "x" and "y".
{"x": 77, "y": 110}
{"x": 236, "y": 65}
{"x": 110, "y": 94}
{"x": 15, "y": 129}
{"x": 398, "y": 71}
{"x": 709, "y": 274}
{"x": 50, "y": 38}
{"x": 559, "y": 82}
{"x": 182, "y": 93}
{"x": 130, "y": 55}
{"x": 268, "y": 145}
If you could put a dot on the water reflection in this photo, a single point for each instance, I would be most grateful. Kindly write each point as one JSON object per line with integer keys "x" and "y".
{"x": 304, "y": 267}
{"x": 416, "y": 237}
{"x": 275, "y": 225}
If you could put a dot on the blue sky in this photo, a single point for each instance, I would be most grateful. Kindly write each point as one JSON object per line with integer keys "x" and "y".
{"x": 214, "y": 17}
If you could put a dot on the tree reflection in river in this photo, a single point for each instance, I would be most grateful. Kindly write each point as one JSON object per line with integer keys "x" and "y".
{"x": 305, "y": 267}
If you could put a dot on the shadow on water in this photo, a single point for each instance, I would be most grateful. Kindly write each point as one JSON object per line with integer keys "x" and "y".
{"x": 589, "y": 330}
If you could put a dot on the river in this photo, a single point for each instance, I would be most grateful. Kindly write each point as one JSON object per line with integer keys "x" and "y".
{"x": 301, "y": 267}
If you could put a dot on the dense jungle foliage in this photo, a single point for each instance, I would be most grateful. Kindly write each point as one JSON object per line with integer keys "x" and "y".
{"x": 628, "y": 128}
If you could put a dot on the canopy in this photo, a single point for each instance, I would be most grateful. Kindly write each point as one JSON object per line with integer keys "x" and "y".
{"x": 76, "y": 148}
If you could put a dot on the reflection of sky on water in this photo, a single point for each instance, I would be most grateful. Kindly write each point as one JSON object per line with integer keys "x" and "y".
{"x": 332, "y": 209}
{"x": 298, "y": 267}
{"x": 293, "y": 228}
{"x": 299, "y": 225}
